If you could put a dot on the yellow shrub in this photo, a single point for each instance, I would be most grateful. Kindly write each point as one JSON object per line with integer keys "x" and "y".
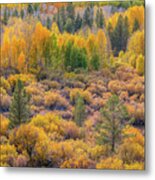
{"x": 4, "y": 122}
{"x": 86, "y": 95}
{"x": 25, "y": 78}
{"x": 131, "y": 152}
{"x": 7, "y": 152}
{"x": 5, "y": 84}
{"x": 110, "y": 163}
{"x": 26, "y": 137}
{"x": 134, "y": 166}
{"x": 53, "y": 99}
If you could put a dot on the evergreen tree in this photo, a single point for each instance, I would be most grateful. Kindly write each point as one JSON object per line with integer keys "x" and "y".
{"x": 75, "y": 57}
{"x": 22, "y": 13}
{"x": 99, "y": 18}
{"x": 30, "y": 9}
{"x": 70, "y": 11}
{"x": 119, "y": 36}
{"x": 125, "y": 33}
{"x": 78, "y": 22}
{"x": 79, "y": 112}
{"x": 15, "y": 13}
{"x": 136, "y": 25}
{"x": 88, "y": 17}
{"x": 5, "y": 18}
{"x": 19, "y": 109}
{"x": 95, "y": 61}
{"x": 69, "y": 26}
{"x": 48, "y": 23}
{"x": 113, "y": 116}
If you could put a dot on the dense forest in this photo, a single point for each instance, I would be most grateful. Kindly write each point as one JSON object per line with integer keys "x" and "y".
{"x": 72, "y": 85}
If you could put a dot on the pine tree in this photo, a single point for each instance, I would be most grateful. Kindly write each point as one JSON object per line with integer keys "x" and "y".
{"x": 78, "y": 22}
{"x": 48, "y": 23}
{"x": 30, "y": 9}
{"x": 79, "y": 112}
{"x": 15, "y": 13}
{"x": 22, "y": 13}
{"x": 70, "y": 11}
{"x": 88, "y": 17}
{"x": 136, "y": 25}
{"x": 119, "y": 36}
{"x": 5, "y": 18}
{"x": 95, "y": 61}
{"x": 19, "y": 109}
{"x": 69, "y": 26}
{"x": 113, "y": 116}
{"x": 99, "y": 18}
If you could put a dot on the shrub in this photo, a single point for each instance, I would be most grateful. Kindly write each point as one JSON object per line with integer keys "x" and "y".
{"x": 5, "y": 102}
{"x": 26, "y": 137}
{"x": 84, "y": 94}
{"x": 25, "y": 78}
{"x": 110, "y": 163}
{"x": 8, "y": 152}
{"x": 55, "y": 100}
{"x": 4, "y": 122}
{"x": 131, "y": 152}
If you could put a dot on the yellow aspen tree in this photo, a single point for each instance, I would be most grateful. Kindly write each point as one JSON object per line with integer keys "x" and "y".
{"x": 140, "y": 64}
{"x": 21, "y": 62}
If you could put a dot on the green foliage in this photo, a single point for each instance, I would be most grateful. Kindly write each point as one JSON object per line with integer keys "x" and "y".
{"x": 78, "y": 22}
{"x": 119, "y": 36}
{"x": 5, "y": 18}
{"x": 99, "y": 18}
{"x": 48, "y": 23}
{"x": 30, "y": 9}
{"x": 88, "y": 17}
{"x": 15, "y": 13}
{"x": 95, "y": 62}
{"x": 79, "y": 112}
{"x": 75, "y": 57}
{"x": 136, "y": 25}
{"x": 69, "y": 26}
{"x": 19, "y": 110}
{"x": 22, "y": 13}
{"x": 113, "y": 114}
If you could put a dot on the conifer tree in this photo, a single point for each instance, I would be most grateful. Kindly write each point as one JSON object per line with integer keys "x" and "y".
{"x": 99, "y": 18}
{"x": 113, "y": 115}
{"x": 30, "y": 9}
{"x": 5, "y": 19}
{"x": 79, "y": 112}
{"x": 78, "y": 22}
{"x": 19, "y": 109}
{"x": 135, "y": 25}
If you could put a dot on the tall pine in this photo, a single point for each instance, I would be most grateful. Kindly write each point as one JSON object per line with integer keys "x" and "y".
{"x": 79, "y": 112}
{"x": 110, "y": 129}
{"x": 19, "y": 109}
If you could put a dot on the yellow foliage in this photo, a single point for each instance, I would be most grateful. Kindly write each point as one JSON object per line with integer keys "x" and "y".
{"x": 140, "y": 64}
{"x": 4, "y": 122}
{"x": 25, "y": 78}
{"x": 110, "y": 163}
{"x": 7, "y": 153}
{"x": 26, "y": 137}
{"x": 136, "y": 43}
{"x": 134, "y": 166}
{"x": 52, "y": 99}
{"x": 86, "y": 95}
{"x": 21, "y": 62}
{"x": 131, "y": 152}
